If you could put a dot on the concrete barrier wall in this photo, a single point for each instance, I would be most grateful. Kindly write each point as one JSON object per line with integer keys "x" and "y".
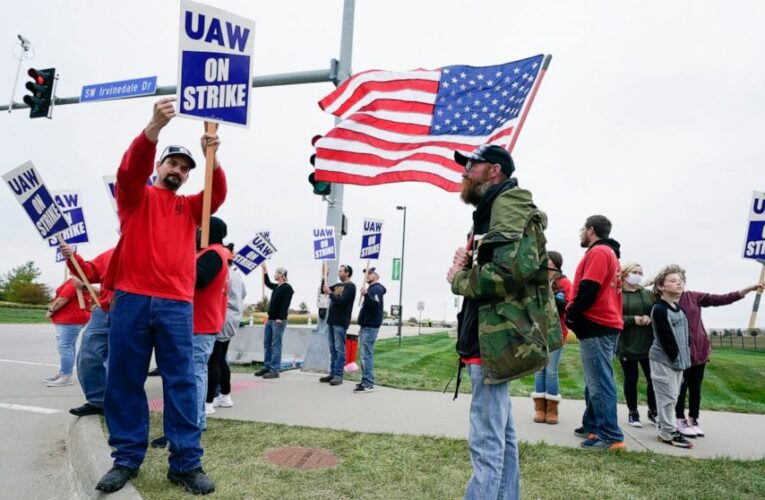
{"x": 247, "y": 344}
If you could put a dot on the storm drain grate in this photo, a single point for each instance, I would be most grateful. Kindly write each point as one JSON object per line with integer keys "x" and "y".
{"x": 302, "y": 458}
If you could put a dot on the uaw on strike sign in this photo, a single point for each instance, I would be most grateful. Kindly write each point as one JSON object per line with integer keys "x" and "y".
{"x": 215, "y": 64}
{"x": 754, "y": 248}
{"x": 27, "y": 185}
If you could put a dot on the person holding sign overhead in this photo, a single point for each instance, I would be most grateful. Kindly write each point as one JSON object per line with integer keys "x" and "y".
{"x": 152, "y": 273}
{"x": 278, "y": 308}
{"x": 341, "y": 297}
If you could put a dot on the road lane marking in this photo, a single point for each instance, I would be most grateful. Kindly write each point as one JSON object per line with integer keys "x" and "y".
{"x": 26, "y": 362}
{"x": 33, "y": 409}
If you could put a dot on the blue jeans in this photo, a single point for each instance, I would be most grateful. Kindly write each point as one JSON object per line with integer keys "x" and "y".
{"x": 66, "y": 337}
{"x": 203, "y": 347}
{"x": 492, "y": 442}
{"x": 546, "y": 379}
{"x": 368, "y": 336}
{"x": 600, "y": 391}
{"x": 272, "y": 345}
{"x": 91, "y": 358}
{"x": 140, "y": 324}
{"x": 336, "y": 336}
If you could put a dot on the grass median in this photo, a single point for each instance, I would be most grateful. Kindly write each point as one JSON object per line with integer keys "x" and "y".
{"x": 386, "y": 466}
{"x": 427, "y": 362}
{"x": 21, "y": 314}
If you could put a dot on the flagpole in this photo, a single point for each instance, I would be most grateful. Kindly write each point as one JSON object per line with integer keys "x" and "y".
{"x": 545, "y": 65}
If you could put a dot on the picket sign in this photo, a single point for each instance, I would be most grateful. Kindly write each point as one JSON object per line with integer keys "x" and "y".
{"x": 754, "y": 244}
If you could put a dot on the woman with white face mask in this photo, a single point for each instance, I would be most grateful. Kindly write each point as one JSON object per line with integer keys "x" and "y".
{"x": 635, "y": 341}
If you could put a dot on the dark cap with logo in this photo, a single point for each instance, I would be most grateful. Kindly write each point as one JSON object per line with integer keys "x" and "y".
{"x": 174, "y": 150}
{"x": 490, "y": 154}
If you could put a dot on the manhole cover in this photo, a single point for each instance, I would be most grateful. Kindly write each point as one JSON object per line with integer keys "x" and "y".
{"x": 302, "y": 458}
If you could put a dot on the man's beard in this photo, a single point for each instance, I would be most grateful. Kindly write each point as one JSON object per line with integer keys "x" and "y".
{"x": 171, "y": 182}
{"x": 472, "y": 191}
{"x": 584, "y": 243}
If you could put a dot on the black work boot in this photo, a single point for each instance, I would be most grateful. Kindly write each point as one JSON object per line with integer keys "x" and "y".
{"x": 195, "y": 481}
{"x": 116, "y": 478}
{"x": 87, "y": 409}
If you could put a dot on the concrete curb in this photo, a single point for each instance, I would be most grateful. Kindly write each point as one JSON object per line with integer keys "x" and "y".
{"x": 88, "y": 458}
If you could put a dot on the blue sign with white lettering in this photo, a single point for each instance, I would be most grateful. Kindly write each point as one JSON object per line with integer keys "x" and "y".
{"x": 215, "y": 64}
{"x": 60, "y": 256}
{"x": 254, "y": 253}
{"x": 70, "y": 204}
{"x": 324, "y": 243}
{"x": 119, "y": 90}
{"x": 371, "y": 238}
{"x": 30, "y": 191}
{"x": 754, "y": 248}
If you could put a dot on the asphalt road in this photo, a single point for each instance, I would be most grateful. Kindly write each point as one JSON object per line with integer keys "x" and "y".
{"x": 34, "y": 418}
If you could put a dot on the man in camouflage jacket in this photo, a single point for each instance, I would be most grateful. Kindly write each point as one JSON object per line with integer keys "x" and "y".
{"x": 508, "y": 322}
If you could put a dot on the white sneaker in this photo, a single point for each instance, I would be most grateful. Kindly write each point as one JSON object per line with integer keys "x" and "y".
{"x": 209, "y": 410}
{"x": 695, "y": 427}
{"x": 685, "y": 429}
{"x": 61, "y": 381}
{"x": 223, "y": 401}
{"x": 51, "y": 379}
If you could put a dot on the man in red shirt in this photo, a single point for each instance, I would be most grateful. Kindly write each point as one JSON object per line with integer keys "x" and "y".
{"x": 595, "y": 316}
{"x": 94, "y": 348}
{"x": 152, "y": 273}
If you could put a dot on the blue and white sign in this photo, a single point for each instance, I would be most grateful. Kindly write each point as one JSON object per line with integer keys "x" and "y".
{"x": 60, "y": 256}
{"x": 324, "y": 243}
{"x": 214, "y": 64}
{"x": 30, "y": 191}
{"x": 119, "y": 90}
{"x": 254, "y": 253}
{"x": 70, "y": 204}
{"x": 754, "y": 248}
{"x": 370, "y": 239}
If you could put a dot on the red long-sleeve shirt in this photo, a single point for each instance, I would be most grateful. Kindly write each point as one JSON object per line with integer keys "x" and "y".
{"x": 156, "y": 252}
{"x": 95, "y": 270}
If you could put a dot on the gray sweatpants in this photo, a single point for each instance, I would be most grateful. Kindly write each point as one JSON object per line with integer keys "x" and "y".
{"x": 666, "y": 386}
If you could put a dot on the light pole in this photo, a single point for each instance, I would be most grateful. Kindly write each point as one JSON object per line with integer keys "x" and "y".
{"x": 401, "y": 283}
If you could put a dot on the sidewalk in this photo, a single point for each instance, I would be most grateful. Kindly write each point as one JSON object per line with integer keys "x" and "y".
{"x": 298, "y": 398}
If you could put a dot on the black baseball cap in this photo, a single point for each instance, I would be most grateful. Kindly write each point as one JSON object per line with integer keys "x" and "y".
{"x": 490, "y": 154}
{"x": 370, "y": 270}
{"x": 174, "y": 150}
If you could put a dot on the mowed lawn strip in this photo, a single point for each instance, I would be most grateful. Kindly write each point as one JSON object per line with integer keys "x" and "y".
{"x": 22, "y": 315}
{"x": 731, "y": 381}
{"x": 386, "y": 466}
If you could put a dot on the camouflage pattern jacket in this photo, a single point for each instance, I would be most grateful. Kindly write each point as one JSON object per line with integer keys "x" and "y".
{"x": 518, "y": 323}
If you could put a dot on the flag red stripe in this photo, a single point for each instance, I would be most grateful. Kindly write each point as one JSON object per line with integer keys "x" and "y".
{"x": 372, "y": 160}
{"x": 391, "y": 126}
{"x": 392, "y": 86}
{"x": 332, "y": 96}
{"x": 399, "y": 105}
{"x": 386, "y": 178}
{"x": 352, "y": 135}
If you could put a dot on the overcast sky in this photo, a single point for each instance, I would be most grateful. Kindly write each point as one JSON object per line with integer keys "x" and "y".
{"x": 651, "y": 113}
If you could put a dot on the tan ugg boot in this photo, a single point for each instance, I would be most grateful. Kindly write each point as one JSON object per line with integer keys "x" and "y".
{"x": 539, "y": 407}
{"x": 551, "y": 411}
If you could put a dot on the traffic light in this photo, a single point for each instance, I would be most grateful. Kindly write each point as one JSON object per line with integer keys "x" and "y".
{"x": 319, "y": 187}
{"x": 41, "y": 88}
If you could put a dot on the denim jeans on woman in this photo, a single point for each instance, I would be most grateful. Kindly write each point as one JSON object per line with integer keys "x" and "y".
{"x": 66, "y": 338}
{"x": 492, "y": 442}
{"x": 92, "y": 356}
{"x": 600, "y": 391}
{"x": 203, "y": 348}
{"x": 546, "y": 379}
{"x": 141, "y": 324}
{"x": 368, "y": 336}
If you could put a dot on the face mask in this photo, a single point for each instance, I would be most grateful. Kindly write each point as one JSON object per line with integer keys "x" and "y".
{"x": 633, "y": 279}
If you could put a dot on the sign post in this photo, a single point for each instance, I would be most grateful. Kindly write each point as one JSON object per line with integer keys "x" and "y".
{"x": 754, "y": 247}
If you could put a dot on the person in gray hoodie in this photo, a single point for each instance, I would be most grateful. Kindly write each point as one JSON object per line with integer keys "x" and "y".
{"x": 670, "y": 353}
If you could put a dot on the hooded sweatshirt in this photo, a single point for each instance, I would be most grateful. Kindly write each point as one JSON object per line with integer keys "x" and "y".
{"x": 371, "y": 314}
{"x": 596, "y": 309}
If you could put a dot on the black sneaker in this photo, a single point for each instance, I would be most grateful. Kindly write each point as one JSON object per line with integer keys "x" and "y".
{"x": 652, "y": 416}
{"x": 362, "y": 389}
{"x": 116, "y": 478}
{"x": 336, "y": 381}
{"x": 678, "y": 440}
{"x": 261, "y": 372}
{"x": 86, "y": 409}
{"x": 581, "y": 433}
{"x": 154, "y": 373}
{"x": 160, "y": 442}
{"x": 195, "y": 481}
{"x": 271, "y": 375}
{"x": 634, "y": 419}
{"x": 326, "y": 379}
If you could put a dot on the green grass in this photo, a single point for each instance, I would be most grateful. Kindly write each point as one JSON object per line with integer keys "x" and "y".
{"x": 385, "y": 466}
{"x": 427, "y": 362}
{"x": 22, "y": 315}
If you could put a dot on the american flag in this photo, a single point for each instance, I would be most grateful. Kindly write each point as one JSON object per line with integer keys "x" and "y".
{"x": 405, "y": 126}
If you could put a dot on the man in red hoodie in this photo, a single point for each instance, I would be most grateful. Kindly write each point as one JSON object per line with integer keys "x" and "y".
{"x": 595, "y": 316}
{"x": 152, "y": 273}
